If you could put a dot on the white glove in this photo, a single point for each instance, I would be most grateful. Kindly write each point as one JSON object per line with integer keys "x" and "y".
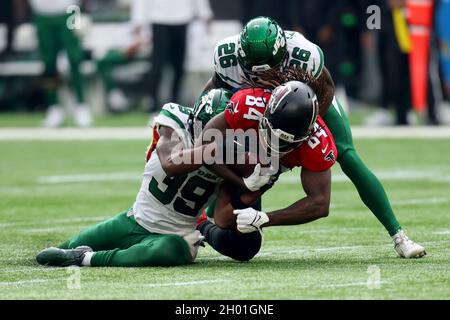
{"x": 194, "y": 240}
{"x": 255, "y": 181}
{"x": 250, "y": 220}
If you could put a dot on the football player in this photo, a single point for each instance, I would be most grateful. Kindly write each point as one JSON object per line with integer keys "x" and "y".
{"x": 159, "y": 230}
{"x": 291, "y": 131}
{"x": 262, "y": 46}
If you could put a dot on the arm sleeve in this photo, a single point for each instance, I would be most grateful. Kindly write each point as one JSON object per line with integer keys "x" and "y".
{"x": 203, "y": 9}
{"x": 138, "y": 12}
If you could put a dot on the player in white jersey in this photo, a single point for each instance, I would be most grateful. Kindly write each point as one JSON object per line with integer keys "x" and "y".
{"x": 159, "y": 230}
{"x": 300, "y": 53}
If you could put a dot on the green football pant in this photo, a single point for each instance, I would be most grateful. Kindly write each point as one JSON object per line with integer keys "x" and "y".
{"x": 53, "y": 36}
{"x": 369, "y": 187}
{"x": 106, "y": 64}
{"x": 122, "y": 242}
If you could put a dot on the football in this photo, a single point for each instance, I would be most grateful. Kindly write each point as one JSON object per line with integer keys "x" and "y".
{"x": 244, "y": 164}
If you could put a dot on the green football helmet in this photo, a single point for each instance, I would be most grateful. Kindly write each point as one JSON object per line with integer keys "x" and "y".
{"x": 262, "y": 45}
{"x": 208, "y": 105}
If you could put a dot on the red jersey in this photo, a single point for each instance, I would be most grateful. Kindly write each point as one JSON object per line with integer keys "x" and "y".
{"x": 317, "y": 154}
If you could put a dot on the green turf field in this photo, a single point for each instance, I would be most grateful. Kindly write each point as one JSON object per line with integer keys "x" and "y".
{"x": 50, "y": 190}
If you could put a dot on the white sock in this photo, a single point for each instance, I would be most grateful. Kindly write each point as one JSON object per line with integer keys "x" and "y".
{"x": 87, "y": 259}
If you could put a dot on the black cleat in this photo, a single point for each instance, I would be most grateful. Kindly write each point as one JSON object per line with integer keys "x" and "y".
{"x": 62, "y": 257}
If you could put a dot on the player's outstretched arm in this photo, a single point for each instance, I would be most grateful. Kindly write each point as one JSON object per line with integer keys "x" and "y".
{"x": 325, "y": 92}
{"x": 315, "y": 205}
{"x": 170, "y": 151}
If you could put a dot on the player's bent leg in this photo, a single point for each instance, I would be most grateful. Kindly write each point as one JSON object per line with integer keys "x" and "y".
{"x": 155, "y": 250}
{"x": 369, "y": 187}
{"x": 240, "y": 247}
{"x": 370, "y": 190}
{"x": 120, "y": 231}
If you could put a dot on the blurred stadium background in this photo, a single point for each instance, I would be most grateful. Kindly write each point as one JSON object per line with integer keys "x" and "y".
{"x": 50, "y": 189}
{"x": 368, "y": 66}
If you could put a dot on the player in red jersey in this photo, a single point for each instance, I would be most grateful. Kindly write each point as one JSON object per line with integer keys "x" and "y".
{"x": 288, "y": 115}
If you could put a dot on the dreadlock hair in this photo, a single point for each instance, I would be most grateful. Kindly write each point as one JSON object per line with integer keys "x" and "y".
{"x": 273, "y": 78}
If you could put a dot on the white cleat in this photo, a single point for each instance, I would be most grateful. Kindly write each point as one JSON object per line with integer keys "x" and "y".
{"x": 83, "y": 116}
{"x": 407, "y": 248}
{"x": 55, "y": 117}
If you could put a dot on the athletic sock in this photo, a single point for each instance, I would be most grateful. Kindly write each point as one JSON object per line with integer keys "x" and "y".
{"x": 87, "y": 259}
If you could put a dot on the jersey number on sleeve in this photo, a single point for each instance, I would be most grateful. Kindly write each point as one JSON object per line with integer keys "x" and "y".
{"x": 300, "y": 58}
{"x": 254, "y": 114}
{"x": 195, "y": 191}
{"x": 227, "y": 58}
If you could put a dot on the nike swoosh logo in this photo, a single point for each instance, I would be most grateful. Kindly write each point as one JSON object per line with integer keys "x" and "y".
{"x": 325, "y": 149}
{"x": 235, "y": 109}
{"x": 257, "y": 218}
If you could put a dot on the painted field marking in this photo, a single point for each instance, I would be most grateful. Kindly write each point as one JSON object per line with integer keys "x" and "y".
{"x": 387, "y": 175}
{"x": 144, "y": 133}
{"x": 187, "y": 283}
{"x": 26, "y": 282}
{"x": 320, "y": 249}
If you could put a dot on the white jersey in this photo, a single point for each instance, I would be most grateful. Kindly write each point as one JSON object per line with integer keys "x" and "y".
{"x": 302, "y": 53}
{"x": 172, "y": 205}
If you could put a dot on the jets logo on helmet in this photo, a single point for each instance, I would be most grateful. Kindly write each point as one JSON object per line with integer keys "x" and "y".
{"x": 207, "y": 106}
{"x": 261, "y": 45}
{"x": 280, "y": 42}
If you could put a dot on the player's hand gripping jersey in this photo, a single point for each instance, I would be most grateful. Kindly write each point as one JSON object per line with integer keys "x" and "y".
{"x": 317, "y": 154}
{"x": 172, "y": 204}
{"x": 302, "y": 54}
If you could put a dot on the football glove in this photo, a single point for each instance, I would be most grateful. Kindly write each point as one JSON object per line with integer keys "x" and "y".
{"x": 255, "y": 181}
{"x": 250, "y": 220}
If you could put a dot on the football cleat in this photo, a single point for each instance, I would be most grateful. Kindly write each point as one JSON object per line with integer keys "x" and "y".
{"x": 55, "y": 117}
{"x": 83, "y": 116}
{"x": 407, "y": 248}
{"x": 62, "y": 257}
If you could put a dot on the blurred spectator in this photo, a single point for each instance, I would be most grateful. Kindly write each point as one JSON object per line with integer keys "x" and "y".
{"x": 169, "y": 20}
{"x": 394, "y": 70}
{"x": 125, "y": 52}
{"x": 7, "y": 17}
{"x": 395, "y": 73}
{"x": 55, "y": 26}
{"x": 443, "y": 29}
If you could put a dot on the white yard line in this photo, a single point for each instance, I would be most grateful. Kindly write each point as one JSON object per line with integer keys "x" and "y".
{"x": 320, "y": 249}
{"x": 144, "y": 133}
{"x": 53, "y": 221}
{"x": 386, "y": 175}
{"x": 90, "y": 177}
{"x": 442, "y": 232}
{"x": 123, "y": 133}
{"x": 25, "y": 282}
{"x": 187, "y": 283}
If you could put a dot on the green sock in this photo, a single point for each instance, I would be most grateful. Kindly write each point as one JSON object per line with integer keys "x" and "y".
{"x": 370, "y": 190}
